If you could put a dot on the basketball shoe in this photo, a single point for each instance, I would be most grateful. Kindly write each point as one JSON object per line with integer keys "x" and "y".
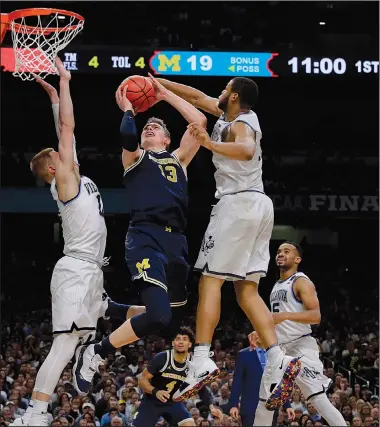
{"x": 283, "y": 378}
{"x": 86, "y": 365}
{"x": 202, "y": 371}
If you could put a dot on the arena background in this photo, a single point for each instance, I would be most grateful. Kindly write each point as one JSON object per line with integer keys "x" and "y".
{"x": 320, "y": 150}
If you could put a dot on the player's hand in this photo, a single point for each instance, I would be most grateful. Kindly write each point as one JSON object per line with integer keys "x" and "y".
{"x": 63, "y": 73}
{"x": 200, "y": 134}
{"x": 160, "y": 91}
{"x": 122, "y": 101}
{"x": 291, "y": 414}
{"x": 279, "y": 317}
{"x": 234, "y": 412}
{"x": 216, "y": 413}
{"x": 254, "y": 340}
{"x": 163, "y": 396}
{"x": 51, "y": 90}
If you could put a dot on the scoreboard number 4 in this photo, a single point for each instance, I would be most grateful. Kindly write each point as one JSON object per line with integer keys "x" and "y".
{"x": 93, "y": 62}
{"x": 140, "y": 62}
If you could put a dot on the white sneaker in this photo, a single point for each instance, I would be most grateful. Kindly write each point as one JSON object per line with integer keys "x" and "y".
{"x": 86, "y": 365}
{"x": 201, "y": 372}
{"x": 283, "y": 379}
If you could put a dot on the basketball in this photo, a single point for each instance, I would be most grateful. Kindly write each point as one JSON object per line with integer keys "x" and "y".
{"x": 140, "y": 92}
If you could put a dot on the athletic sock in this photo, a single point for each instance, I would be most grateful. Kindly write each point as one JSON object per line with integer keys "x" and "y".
{"x": 104, "y": 348}
{"x": 201, "y": 351}
{"x": 275, "y": 356}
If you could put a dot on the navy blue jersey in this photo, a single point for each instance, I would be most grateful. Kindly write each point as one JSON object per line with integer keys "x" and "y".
{"x": 157, "y": 190}
{"x": 167, "y": 373}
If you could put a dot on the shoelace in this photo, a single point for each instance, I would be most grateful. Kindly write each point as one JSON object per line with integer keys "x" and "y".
{"x": 96, "y": 361}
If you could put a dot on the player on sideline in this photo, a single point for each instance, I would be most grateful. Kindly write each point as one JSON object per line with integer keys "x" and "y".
{"x": 78, "y": 297}
{"x": 295, "y": 306}
{"x": 161, "y": 379}
{"x": 156, "y": 248}
{"x": 236, "y": 243}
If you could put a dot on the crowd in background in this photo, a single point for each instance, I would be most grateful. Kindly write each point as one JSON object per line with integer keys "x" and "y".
{"x": 348, "y": 339}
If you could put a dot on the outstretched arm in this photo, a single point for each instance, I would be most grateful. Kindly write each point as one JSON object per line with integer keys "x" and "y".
{"x": 188, "y": 145}
{"x": 66, "y": 117}
{"x": 54, "y": 99}
{"x": 193, "y": 96}
{"x": 243, "y": 147}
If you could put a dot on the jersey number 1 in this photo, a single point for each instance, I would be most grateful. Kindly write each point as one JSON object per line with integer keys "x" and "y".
{"x": 170, "y": 386}
{"x": 100, "y": 203}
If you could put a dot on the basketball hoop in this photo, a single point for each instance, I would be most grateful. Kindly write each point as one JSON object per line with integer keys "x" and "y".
{"x": 38, "y": 35}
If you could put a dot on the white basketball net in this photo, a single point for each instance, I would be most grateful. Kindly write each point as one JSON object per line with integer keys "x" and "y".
{"x": 36, "y": 47}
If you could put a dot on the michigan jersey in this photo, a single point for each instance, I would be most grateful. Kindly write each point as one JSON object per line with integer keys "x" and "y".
{"x": 167, "y": 373}
{"x": 283, "y": 299}
{"x": 83, "y": 225}
{"x": 157, "y": 190}
{"x": 233, "y": 176}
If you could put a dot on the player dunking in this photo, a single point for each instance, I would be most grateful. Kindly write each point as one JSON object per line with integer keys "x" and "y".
{"x": 156, "y": 248}
{"x": 295, "y": 306}
{"x": 161, "y": 379}
{"x": 78, "y": 297}
{"x": 236, "y": 242}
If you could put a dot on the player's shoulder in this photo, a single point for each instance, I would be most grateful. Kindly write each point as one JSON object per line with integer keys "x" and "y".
{"x": 162, "y": 356}
{"x": 302, "y": 279}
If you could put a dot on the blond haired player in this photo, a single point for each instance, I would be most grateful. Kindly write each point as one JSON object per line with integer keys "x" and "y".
{"x": 236, "y": 242}
{"x": 78, "y": 297}
{"x": 295, "y": 306}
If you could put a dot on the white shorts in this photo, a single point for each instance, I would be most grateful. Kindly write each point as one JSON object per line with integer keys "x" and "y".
{"x": 310, "y": 380}
{"x": 236, "y": 243}
{"x": 76, "y": 289}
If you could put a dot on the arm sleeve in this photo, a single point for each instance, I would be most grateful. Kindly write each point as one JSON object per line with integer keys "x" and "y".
{"x": 237, "y": 381}
{"x": 157, "y": 363}
{"x": 56, "y": 122}
{"x": 128, "y": 132}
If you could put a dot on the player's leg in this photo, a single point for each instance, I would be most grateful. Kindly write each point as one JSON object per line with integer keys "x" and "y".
{"x": 116, "y": 310}
{"x": 156, "y": 317}
{"x": 313, "y": 385}
{"x": 284, "y": 369}
{"x": 60, "y": 354}
{"x": 180, "y": 415}
{"x": 263, "y": 417}
{"x": 148, "y": 414}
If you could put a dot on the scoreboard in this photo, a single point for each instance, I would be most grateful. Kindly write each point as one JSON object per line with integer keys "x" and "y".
{"x": 129, "y": 61}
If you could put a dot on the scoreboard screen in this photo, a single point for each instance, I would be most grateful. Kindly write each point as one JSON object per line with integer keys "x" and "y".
{"x": 129, "y": 61}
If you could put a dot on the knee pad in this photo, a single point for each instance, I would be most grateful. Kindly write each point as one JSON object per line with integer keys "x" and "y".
{"x": 159, "y": 319}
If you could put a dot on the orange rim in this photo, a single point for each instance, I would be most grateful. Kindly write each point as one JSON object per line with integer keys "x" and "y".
{"x": 22, "y": 13}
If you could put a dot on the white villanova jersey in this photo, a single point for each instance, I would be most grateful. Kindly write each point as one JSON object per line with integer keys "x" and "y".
{"x": 83, "y": 225}
{"x": 283, "y": 299}
{"x": 233, "y": 176}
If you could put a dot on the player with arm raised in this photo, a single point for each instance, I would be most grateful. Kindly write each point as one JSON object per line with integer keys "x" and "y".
{"x": 295, "y": 306}
{"x": 156, "y": 247}
{"x": 78, "y": 297}
{"x": 236, "y": 243}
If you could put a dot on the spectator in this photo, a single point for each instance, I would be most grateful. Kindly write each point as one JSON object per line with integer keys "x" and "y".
{"x": 113, "y": 412}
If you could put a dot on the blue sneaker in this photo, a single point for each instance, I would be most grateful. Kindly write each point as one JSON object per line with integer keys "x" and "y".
{"x": 86, "y": 365}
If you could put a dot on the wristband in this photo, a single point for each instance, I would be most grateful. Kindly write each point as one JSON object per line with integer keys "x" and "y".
{"x": 155, "y": 391}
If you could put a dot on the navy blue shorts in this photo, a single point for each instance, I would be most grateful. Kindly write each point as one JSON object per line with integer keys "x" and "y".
{"x": 159, "y": 256}
{"x": 150, "y": 412}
